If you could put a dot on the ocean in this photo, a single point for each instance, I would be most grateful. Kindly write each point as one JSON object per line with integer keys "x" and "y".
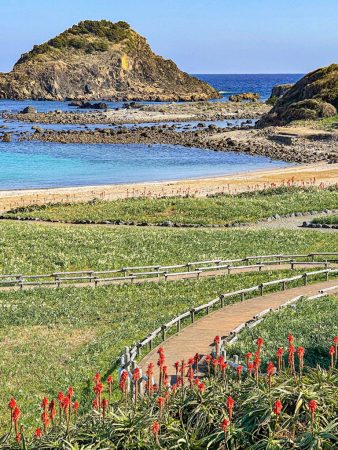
{"x": 40, "y": 165}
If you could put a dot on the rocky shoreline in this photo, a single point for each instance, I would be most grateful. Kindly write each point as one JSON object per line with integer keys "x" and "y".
{"x": 266, "y": 142}
{"x": 172, "y": 112}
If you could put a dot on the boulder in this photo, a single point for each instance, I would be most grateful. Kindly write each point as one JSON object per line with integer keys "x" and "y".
{"x": 245, "y": 96}
{"x": 28, "y": 110}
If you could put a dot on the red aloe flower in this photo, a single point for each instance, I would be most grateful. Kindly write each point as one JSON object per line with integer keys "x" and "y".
{"x": 239, "y": 371}
{"x": 176, "y": 365}
{"x": 70, "y": 392}
{"x": 230, "y": 406}
{"x": 12, "y": 403}
{"x": 190, "y": 375}
{"x": 279, "y": 355}
{"x": 208, "y": 360}
{"x": 290, "y": 338}
{"x": 201, "y": 388}
{"x": 217, "y": 341}
{"x": 260, "y": 342}
{"x": 45, "y": 420}
{"x": 248, "y": 357}
{"x": 270, "y": 372}
{"x": 76, "y": 406}
{"x": 277, "y": 407}
{"x": 52, "y": 410}
{"x": 104, "y": 405}
{"x": 312, "y": 407}
{"x": 110, "y": 384}
{"x": 44, "y": 403}
{"x": 250, "y": 367}
{"x": 95, "y": 404}
{"x": 97, "y": 378}
{"x": 224, "y": 425}
{"x": 155, "y": 428}
{"x": 16, "y": 414}
{"x": 38, "y": 433}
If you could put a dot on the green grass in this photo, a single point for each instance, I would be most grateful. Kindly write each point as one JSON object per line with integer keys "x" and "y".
{"x": 32, "y": 248}
{"x": 326, "y": 124}
{"x": 50, "y": 339}
{"x": 313, "y": 324}
{"x": 330, "y": 220}
{"x": 222, "y": 209}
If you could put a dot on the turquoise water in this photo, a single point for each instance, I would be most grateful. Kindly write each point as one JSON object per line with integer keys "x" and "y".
{"x": 26, "y": 165}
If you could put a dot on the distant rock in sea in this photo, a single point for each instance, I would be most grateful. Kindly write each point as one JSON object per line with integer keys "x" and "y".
{"x": 313, "y": 97}
{"x": 100, "y": 60}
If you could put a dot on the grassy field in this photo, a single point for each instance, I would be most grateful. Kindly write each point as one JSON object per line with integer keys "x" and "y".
{"x": 222, "y": 209}
{"x": 50, "y": 339}
{"x": 327, "y": 124}
{"x": 36, "y": 248}
{"x": 312, "y": 323}
{"x": 330, "y": 220}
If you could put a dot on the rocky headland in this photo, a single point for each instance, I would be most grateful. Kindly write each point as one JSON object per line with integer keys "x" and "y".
{"x": 313, "y": 97}
{"x": 97, "y": 60}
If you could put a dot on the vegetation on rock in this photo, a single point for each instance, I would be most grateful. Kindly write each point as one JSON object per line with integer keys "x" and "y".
{"x": 315, "y": 96}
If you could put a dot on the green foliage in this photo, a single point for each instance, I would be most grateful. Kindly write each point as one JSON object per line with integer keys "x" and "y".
{"x": 32, "y": 248}
{"x": 89, "y": 36}
{"x": 313, "y": 323}
{"x": 50, "y": 339}
{"x": 330, "y": 220}
{"x": 220, "y": 209}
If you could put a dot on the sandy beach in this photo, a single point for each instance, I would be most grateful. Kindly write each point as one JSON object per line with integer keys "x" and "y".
{"x": 320, "y": 174}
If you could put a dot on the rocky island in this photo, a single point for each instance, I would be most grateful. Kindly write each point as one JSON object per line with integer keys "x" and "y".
{"x": 100, "y": 60}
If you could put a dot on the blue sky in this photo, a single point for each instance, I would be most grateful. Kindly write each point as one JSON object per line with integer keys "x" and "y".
{"x": 201, "y": 36}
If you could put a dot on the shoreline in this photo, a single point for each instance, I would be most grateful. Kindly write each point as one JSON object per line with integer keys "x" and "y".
{"x": 300, "y": 175}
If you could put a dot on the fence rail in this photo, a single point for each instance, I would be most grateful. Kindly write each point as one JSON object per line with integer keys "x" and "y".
{"x": 130, "y": 354}
{"x": 195, "y": 268}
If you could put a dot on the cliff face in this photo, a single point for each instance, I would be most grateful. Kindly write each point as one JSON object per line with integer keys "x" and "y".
{"x": 312, "y": 97}
{"x": 99, "y": 60}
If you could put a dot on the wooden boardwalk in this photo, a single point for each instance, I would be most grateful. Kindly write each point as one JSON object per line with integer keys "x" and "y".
{"x": 198, "y": 337}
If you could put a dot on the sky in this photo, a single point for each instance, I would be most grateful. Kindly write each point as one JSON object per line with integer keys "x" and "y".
{"x": 201, "y": 36}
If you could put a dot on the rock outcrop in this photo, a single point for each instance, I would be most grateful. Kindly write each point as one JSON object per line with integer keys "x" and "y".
{"x": 313, "y": 97}
{"x": 245, "y": 96}
{"x": 278, "y": 91}
{"x": 99, "y": 60}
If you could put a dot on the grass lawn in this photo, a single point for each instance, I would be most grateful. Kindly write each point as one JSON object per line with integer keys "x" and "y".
{"x": 32, "y": 248}
{"x": 222, "y": 209}
{"x": 50, "y": 339}
{"x": 330, "y": 220}
{"x": 313, "y": 324}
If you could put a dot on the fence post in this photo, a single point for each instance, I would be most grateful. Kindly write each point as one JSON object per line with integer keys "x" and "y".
{"x": 163, "y": 329}
{"x": 221, "y": 297}
{"x": 192, "y": 315}
{"x": 178, "y": 325}
{"x": 327, "y": 275}
{"x": 305, "y": 279}
{"x": 261, "y": 289}
{"x": 242, "y": 296}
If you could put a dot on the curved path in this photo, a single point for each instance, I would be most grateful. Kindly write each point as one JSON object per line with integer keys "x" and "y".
{"x": 198, "y": 337}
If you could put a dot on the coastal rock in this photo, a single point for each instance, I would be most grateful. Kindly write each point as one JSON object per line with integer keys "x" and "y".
{"x": 278, "y": 91}
{"x": 28, "y": 110}
{"x": 245, "y": 96}
{"x": 313, "y": 97}
{"x": 100, "y": 60}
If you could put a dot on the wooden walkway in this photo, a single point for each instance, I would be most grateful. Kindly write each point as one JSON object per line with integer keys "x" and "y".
{"x": 198, "y": 337}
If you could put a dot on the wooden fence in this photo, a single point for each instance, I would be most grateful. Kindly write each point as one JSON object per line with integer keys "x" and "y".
{"x": 186, "y": 270}
{"x": 128, "y": 359}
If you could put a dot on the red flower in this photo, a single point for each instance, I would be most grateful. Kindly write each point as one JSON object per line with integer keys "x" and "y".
{"x": 277, "y": 407}
{"x": 110, "y": 379}
{"x": 65, "y": 403}
{"x": 290, "y": 338}
{"x": 155, "y": 428}
{"x": 217, "y": 339}
{"x": 239, "y": 370}
{"x": 38, "y": 433}
{"x": 208, "y": 358}
{"x": 248, "y": 355}
{"x": 201, "y": 388}
{"x": 44, "y": 404}
{"x": 105, "y": 404}
{"x": 176, "y": 365}
{"x": 230, "y": 406}
{"x": 97, "y": 377}
{"x": 224, "y": 425}
{"x": 270, "y": 369}
{"x": 160, "y": 402}
{"x": 18, "y": 438}
{"x": 335, "y": 340}
{"x": 16, "y": 413}
{"x": 260, "y": 342}
{"x": 215, "y": 362}
{"x": 52, "y": 410}
{"x": 95, "y": 404}
{"x": 191, "y": 361}
{"x": 136, "y": 374}
{"x": 60, "y": 397}
{"x": 280, "y": 352}
{"x": 70, "y": 392}
{"x": 312, "y": 406}
{"x": 12, "y": 404}
{"x": 331, "y": 350}
{"x": 76, "y": 406}
{"x": 45, "y": 420}
{"x": 300, "y": 352}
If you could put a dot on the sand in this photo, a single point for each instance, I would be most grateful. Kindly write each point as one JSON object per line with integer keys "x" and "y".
{"x": 319, "y": 174}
